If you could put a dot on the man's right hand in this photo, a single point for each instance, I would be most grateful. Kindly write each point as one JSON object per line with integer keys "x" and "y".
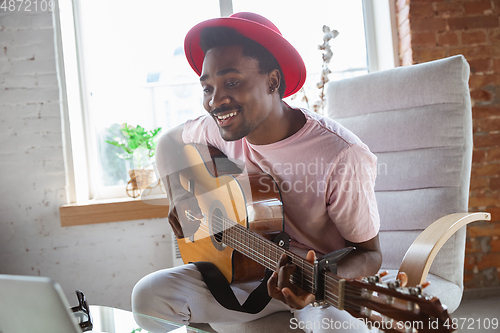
{"x": 182, "y": 205}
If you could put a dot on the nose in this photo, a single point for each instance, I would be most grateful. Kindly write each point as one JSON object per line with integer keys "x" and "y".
{"x": 218, "y": 98}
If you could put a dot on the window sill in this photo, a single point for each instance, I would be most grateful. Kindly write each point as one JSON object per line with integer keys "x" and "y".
{"x": 117, "y": 210}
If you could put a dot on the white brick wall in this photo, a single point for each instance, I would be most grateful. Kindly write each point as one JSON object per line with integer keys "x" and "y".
{"x": 103, "y": 260}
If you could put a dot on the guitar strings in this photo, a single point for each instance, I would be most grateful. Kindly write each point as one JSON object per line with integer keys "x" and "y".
{"x": 236, "y": 229}
{"x": 331, "y": 282}
{"x": 272, "y": 248}
{"x": 263, "y": 242}
{"x": 277, "y": 251}
{"x": 331, "y": 285}
{"x": 294, "y": 277}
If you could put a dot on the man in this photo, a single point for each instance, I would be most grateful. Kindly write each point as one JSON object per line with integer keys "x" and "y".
{"x": 325, "y": 173}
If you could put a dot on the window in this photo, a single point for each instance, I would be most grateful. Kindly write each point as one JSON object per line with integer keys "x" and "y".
{"x": 124, "y": 63}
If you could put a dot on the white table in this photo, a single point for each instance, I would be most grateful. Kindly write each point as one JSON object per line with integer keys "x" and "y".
{"x": 111, "y": 320}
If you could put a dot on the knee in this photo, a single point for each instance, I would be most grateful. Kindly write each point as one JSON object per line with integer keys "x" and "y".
{"x": 142, "y": 296}
{"x": 149, "y": 302}
{"x": 165, "y": 293}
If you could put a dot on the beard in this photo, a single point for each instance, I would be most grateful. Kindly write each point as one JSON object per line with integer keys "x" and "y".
{"x": 240, "y": 133}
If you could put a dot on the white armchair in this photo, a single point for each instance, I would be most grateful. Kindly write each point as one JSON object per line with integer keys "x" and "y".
{"x": 418, "y": 121}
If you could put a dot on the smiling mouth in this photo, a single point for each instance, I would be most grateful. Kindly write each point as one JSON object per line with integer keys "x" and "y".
{"x": 226, "y": 118}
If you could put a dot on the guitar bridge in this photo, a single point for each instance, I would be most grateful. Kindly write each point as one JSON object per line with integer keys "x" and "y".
{"x": 191, "y": 217}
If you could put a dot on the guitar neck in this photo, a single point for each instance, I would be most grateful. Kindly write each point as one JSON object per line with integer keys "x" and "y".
{"x": 344, "y": 295}
{"x": 268, "y": 254}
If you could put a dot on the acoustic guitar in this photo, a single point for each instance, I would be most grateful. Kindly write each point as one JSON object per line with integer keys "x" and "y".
{"x": 242, "y": 234}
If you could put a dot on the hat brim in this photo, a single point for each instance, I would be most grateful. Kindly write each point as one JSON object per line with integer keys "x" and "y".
{"x": 289, "y": 59}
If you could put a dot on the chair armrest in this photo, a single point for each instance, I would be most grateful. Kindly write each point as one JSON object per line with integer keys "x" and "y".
{"x": 419, "y": 257}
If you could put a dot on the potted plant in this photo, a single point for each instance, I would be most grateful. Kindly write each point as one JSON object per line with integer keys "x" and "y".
{"x": 139, "y": 147}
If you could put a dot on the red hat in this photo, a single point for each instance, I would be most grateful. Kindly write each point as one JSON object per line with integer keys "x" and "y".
{"x": 259, "y": 29}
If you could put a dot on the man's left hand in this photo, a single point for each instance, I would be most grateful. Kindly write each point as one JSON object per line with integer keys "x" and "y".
{"x": 280, "y": 287}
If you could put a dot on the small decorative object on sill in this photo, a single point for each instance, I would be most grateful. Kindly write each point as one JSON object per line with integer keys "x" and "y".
{"x": 139, "y": 146}
{"x": 140, "y": 179}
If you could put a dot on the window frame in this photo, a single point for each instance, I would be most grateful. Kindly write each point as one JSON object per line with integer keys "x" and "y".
{"x": 381, "y": 39}
{"x": 381, "y": 34}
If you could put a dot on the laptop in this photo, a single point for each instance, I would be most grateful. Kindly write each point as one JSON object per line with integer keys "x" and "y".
{"x": 31, "y": 304}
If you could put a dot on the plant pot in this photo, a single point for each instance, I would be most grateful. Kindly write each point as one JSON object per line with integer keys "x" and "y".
{"x": 141, "y": 178}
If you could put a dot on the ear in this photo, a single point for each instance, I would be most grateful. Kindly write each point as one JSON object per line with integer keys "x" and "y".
{"x": 274, "y": 80}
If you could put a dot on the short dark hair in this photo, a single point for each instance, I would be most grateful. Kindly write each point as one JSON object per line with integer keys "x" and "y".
{"x": 212, "y": 37}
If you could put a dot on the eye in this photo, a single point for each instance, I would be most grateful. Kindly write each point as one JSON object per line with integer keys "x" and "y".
{"x": 231, "y": 84}
{"x": 207, "y": 90}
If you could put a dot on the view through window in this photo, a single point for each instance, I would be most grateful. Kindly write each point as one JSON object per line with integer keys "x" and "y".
{"x": 136, "y": 72}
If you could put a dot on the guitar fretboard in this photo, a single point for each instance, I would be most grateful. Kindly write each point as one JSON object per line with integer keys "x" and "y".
{"x": 268, "y": 254}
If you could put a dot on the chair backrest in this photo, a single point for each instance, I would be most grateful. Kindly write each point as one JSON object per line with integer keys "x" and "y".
{"x": 417, "y": 120}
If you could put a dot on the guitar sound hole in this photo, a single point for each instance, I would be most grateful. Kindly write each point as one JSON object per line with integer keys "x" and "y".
{"x": 217, "y": 225}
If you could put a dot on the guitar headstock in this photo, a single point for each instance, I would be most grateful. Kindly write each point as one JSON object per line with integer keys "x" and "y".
{"x": 392, "y": 307}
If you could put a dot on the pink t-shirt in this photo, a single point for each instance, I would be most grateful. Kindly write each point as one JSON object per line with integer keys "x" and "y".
{"x": 326, "y": 177}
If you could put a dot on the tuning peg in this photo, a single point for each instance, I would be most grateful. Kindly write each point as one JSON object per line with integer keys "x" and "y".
{"x": 415, "y": 291}
{"x": 366, "y": 293}
{"x": 425, "y": 284}
{"x": 394, "y": 285}
{"x": 374, "y": 279}
{"x": 410, "y": 306}
{"x": 382, "y": 274}
{"x": 403, "y": 278}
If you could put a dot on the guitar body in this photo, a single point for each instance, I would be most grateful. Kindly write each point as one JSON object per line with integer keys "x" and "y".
{"x": 224, "y": 194}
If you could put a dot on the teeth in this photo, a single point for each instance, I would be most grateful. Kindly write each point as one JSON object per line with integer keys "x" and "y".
{"x": 227, "y": 115}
